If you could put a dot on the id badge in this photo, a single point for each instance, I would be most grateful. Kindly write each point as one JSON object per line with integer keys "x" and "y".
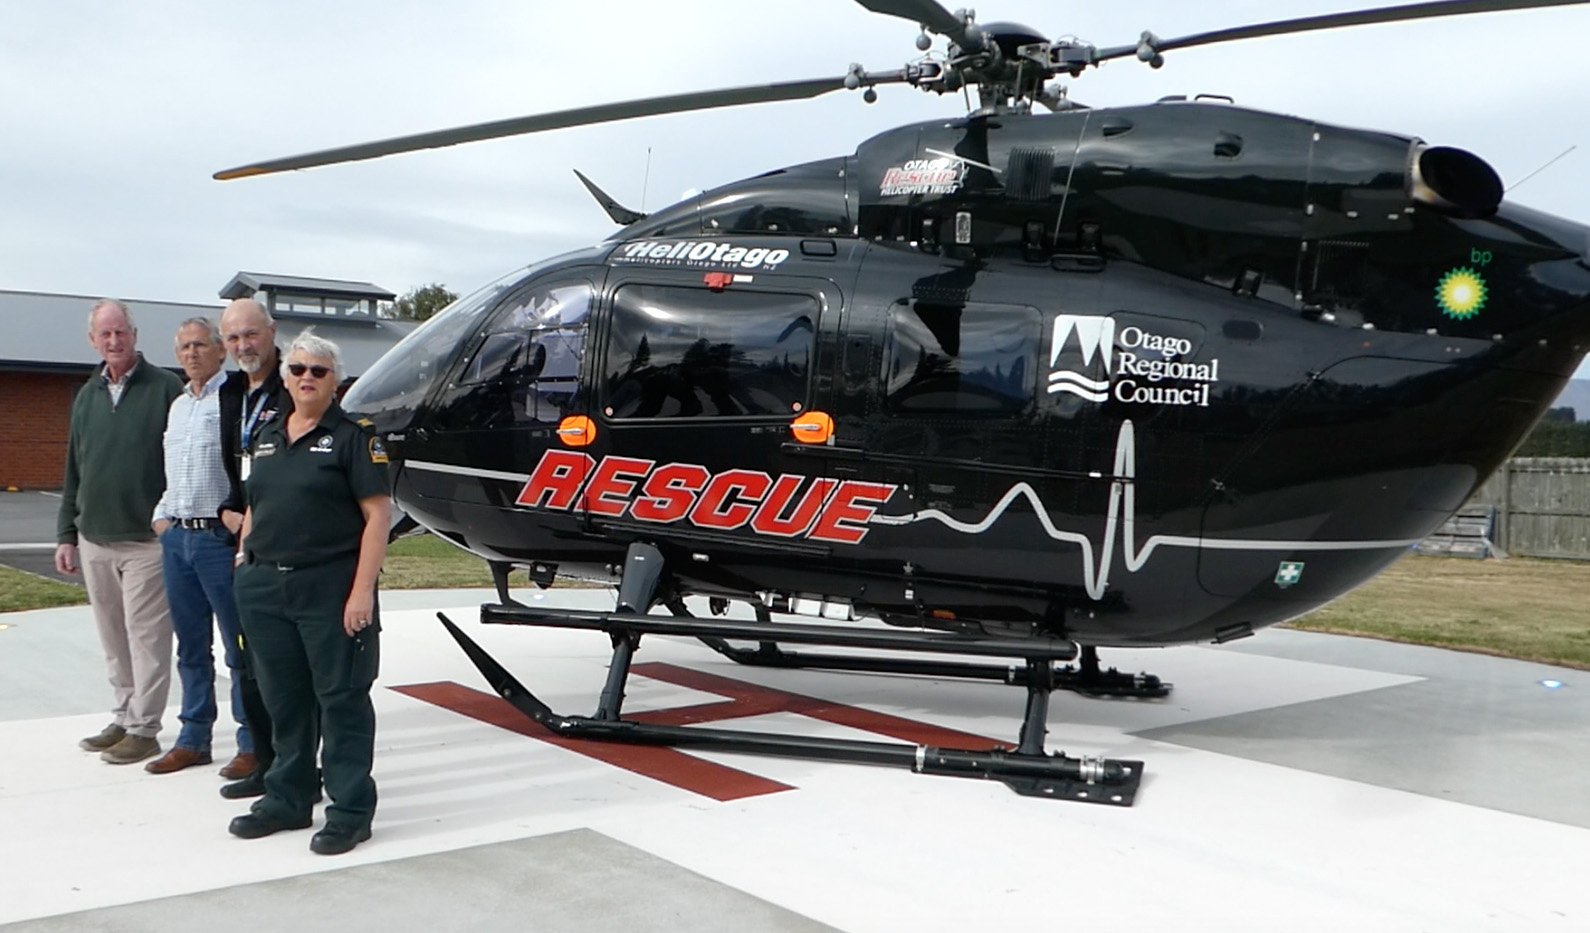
{"x": 245, "y": 466}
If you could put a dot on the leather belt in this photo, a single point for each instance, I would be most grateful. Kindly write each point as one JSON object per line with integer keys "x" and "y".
{"x": 198, "y": 524}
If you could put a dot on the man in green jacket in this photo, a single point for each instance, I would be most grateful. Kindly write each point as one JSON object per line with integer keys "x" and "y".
{"x": 115, "y": 473}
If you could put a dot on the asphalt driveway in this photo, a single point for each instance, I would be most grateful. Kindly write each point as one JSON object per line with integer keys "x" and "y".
{"x": 27, "y": 533}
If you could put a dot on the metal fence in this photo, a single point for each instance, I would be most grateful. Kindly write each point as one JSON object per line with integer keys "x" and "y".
{"x": 1542, "y": 506}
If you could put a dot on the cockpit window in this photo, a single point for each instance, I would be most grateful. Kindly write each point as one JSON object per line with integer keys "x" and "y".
{"x": 389, "y": 391}
{"x": 526, "y": 368}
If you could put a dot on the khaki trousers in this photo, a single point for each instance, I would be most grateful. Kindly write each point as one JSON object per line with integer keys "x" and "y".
{"x": 127, "y": 592}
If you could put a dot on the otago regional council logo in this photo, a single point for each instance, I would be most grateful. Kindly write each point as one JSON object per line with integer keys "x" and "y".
{"x": 1461, "y": 293}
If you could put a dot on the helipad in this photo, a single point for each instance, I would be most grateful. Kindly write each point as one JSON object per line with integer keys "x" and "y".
{"x": 1294, "y": 782}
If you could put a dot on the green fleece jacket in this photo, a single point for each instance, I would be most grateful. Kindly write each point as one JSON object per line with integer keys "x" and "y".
{"x": 115, "y": 461}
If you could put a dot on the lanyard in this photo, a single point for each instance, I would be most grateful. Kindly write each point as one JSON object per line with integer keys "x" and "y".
{"x": 252, "y": 421}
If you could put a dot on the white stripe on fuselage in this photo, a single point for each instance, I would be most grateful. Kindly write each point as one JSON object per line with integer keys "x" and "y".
{"x": 520, "y": 478}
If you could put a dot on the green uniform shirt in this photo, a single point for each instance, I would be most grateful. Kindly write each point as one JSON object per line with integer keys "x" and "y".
{"x": 305, "y": 495}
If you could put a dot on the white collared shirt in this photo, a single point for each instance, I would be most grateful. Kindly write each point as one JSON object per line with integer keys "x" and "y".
{"x": 196, "y": 480}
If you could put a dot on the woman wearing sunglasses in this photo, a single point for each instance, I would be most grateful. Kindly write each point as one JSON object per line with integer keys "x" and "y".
{"x": 311, "y": 547}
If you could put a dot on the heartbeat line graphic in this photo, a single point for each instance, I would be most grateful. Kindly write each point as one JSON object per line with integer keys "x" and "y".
{"x": 1121, "y": 519}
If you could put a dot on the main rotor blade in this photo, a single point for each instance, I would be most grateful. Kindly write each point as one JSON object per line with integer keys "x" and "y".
{"x": 1390, "y": 14}
{"x": 930, "y": 14}
{"x": 925, "y": 12}
{"x": 580, "y": 116}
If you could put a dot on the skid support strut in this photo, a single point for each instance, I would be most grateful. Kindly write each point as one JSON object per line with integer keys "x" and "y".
{"x": 1027, "y": 769}
{"x": 643, "y": 567}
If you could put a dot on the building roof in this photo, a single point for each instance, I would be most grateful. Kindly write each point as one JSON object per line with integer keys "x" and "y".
{"x": 245, "y": 284}
{"x": 41, "y": 331}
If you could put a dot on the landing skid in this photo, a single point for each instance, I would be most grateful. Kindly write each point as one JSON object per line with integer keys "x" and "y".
{"x": 1027, "y": 769}
{"x": 1085, "y": 677}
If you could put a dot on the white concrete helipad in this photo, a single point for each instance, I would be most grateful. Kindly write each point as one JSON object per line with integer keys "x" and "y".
{"x": 1294, "y": 782}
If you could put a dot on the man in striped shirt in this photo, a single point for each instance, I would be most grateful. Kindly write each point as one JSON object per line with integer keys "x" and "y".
{"x": 197, "y": 549}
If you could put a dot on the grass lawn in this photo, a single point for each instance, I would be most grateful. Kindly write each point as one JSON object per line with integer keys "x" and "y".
{"x": 20, "y": 590}
{"x": 424, "y": 562}
{"x": 420, "y": 562}
{"x": 1536, "y": 610}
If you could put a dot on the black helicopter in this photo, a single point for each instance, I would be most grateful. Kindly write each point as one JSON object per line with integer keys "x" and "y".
{"x": 1019, "y": 385}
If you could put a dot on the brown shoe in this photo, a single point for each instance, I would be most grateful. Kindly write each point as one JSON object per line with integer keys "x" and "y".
{"x": 107, "y": 737}
{"x": 240, "y": 767}
{"x": 177, "y": 759}
{"x": 130, "y": 749}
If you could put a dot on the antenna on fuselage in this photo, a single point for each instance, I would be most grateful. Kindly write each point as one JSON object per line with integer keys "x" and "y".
{"x": 1537, "y": 171}
{"x": 645, "y": 180}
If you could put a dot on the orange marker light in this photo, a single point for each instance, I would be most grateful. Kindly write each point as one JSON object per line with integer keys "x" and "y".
{"x": 577, "y": 431}
{"x": 814, "y": 427}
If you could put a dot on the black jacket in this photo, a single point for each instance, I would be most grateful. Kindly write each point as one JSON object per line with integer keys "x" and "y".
{"x": 233, "y": 390}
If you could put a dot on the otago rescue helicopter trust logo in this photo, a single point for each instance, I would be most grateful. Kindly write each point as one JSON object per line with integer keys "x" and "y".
{"x": 1128, "y": 364}
{"x": 922, "y": 176}
{"x": 787, "y": 506}
{"x": 1461, "y": 293}
{"x": 699, "y": 254}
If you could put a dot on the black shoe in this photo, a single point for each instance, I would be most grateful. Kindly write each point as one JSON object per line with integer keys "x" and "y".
{"x": 259, "y": 825}
{"x": 251, "y": 786}
{"x": 254, "y": 786}
{"x": 337, "y": 838}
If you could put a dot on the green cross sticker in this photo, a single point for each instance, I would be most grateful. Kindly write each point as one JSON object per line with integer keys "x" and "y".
{"x": 1288, "y": 573}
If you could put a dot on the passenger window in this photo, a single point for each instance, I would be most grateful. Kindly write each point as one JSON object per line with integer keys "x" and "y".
{"x": 694, "y": 353}
{"x": 960, "y": 358}
{"x": 526, "y": 367}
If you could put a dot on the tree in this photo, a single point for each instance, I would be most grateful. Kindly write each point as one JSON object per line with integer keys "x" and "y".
{"x": 1554, "y": 438}
{"x": 419, "y": 303}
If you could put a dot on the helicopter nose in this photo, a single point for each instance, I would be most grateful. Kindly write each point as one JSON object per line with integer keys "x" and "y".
{"x": 393, "y": 392}
{"x": 390, "y": 392}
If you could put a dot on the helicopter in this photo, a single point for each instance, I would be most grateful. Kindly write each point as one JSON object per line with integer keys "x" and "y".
{"x": 1014, "y": 384}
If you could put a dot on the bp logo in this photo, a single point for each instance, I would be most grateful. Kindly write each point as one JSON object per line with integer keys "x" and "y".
{"x": 1461, "y": 293}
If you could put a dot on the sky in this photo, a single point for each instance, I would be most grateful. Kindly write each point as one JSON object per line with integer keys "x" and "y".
{"x": 114, "y": 115}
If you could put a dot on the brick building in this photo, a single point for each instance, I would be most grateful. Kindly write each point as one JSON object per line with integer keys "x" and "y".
{"x": 45, "y": 356}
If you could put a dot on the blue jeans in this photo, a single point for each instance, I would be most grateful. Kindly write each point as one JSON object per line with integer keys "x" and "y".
{"x": 198, "y": 569}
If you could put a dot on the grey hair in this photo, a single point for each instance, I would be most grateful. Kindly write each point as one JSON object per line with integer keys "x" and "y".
{"x": 316, "y": 346}
{"x": 111, "y": 303}
{"x": 204, "y": 322}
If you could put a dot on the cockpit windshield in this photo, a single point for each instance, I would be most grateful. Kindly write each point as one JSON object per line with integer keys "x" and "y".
{"x": 390, "y": 390}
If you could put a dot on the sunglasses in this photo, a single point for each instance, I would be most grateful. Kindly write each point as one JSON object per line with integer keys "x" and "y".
{"x": 319, "y": 372}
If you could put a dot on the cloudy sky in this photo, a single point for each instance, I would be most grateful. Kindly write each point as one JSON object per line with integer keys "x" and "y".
{"x": 114, "y": 115}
